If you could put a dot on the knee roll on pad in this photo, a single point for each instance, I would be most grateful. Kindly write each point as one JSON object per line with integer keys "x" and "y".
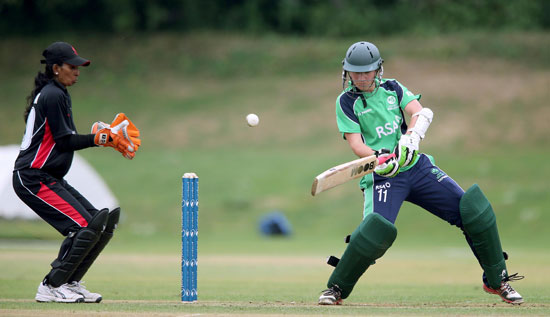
{"x": 112, "y": 221}
{"x": 368, "y": 242}
{"x": 99, "y": 220}
{"x": 476, "y": 211}
{"x": 479, "y": 222}
{"x": 75, "y": 248}
{"x": 373, "y": 237}
{"x": 105, "y": 237}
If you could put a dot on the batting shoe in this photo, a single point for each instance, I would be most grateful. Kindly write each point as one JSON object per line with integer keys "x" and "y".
{"x": 46, "y": 293}
{"x": 79, "y": 288}
{"x": 506, "y": 292}
{"x": 331, "y": 296}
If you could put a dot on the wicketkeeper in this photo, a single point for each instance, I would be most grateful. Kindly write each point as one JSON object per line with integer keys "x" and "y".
{"x": 370, "y": 114}
{"x": 45, "y": 157}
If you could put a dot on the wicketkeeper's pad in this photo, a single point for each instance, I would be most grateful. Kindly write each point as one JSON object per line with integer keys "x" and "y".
{"x": 75, "y": 248}
{"x": 110, "y": 226}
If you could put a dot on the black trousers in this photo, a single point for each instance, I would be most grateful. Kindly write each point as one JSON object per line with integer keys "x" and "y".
{"x": 54, "y": 200}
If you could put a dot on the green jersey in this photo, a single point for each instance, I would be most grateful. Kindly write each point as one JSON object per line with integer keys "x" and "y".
{"x": 379, "y": 120}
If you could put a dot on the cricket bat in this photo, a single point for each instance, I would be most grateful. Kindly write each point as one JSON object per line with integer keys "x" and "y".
{"x": 345, "y": 172}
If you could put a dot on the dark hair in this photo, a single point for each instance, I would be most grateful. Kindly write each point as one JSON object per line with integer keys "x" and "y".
{"x": 40, "y": 81}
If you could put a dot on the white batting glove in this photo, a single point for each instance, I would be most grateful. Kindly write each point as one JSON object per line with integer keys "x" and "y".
{"x": 407, "y": 149}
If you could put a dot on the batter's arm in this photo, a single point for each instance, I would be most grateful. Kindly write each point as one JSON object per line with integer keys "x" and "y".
{"x": 411, "y": 108}
{"x": 357, "y": 145}
{"x": 421, "y": 118}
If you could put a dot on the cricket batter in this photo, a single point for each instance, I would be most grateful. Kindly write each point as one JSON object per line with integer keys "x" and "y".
{"x": 370, "y": 114}
{"x": 45, "y": 157}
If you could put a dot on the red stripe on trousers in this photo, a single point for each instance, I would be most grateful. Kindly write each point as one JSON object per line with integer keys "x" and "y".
{"x": 45, "y": 148}
{"x": 58, "y": 203}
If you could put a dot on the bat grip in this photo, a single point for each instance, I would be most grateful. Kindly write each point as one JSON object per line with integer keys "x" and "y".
{"x": 383, "y": 159}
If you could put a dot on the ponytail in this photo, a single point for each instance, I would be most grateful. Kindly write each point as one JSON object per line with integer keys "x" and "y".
{"x": 40, "y": 81}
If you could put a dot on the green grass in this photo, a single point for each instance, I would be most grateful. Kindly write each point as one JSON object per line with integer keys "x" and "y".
{"x": 429, "y": 281}
{"x": 189, "y": 95}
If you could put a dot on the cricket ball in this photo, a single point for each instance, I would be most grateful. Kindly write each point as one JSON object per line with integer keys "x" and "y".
{"x": 252, "y": 120}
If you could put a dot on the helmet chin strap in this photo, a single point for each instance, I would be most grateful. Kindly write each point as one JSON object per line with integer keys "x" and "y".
{"x": 378, "y": 76}
{"x": 376, "y": 81}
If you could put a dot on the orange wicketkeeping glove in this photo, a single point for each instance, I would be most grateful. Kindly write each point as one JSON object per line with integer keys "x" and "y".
{"x": 129, "y": 131}
{"x": 123, "y": 133}
{"x": 108, "y": 137}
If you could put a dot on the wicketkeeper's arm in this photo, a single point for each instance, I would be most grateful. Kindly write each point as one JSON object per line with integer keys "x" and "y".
{"x": 74, "y": 142}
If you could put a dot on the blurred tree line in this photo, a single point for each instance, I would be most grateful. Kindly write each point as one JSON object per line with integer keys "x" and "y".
{"x": 306, "y": 17}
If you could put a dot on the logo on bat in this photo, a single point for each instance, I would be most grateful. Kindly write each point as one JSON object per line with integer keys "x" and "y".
{"x": 362, "y": 168}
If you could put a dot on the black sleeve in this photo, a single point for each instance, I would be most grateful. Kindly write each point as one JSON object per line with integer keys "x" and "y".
{"x": 74, "y": 142}
{"x": 58, "y": 114}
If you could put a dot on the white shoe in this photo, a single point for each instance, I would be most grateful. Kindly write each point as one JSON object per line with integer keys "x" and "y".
{"x": 79, "y": 288}
{"x": 331, "y": 296}
{"x": 61, "y": 294}
{"x": 505, "y": 291}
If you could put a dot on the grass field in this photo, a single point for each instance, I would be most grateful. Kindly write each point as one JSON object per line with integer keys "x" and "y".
{"x": 189, "y": 95}
{"x": 434, "y": 281}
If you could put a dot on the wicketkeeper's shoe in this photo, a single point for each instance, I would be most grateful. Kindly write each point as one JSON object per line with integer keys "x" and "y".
{"x": 47, "y": 293}
{"x": 79, "y": 288}
{"x": 331, "y": 296}
{"x": 506, "y": 292}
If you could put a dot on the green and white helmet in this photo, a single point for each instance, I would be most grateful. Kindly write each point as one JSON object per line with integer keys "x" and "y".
{"x": 362, "y": 57}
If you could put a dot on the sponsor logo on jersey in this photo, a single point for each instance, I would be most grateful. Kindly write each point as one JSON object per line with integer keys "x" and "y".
{"x": 389, "y": 127}
{"x": 364, "y": 112}
{"x": 391, "y": 100}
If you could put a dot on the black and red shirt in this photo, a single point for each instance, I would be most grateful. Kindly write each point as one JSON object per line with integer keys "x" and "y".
{"x": 50, "y": 118}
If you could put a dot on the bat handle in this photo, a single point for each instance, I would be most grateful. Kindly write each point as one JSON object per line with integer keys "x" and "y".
{"x": 383, "y": 159}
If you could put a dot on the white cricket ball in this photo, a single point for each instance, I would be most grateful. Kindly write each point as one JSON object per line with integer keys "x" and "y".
{"x": 252, "y": 120}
